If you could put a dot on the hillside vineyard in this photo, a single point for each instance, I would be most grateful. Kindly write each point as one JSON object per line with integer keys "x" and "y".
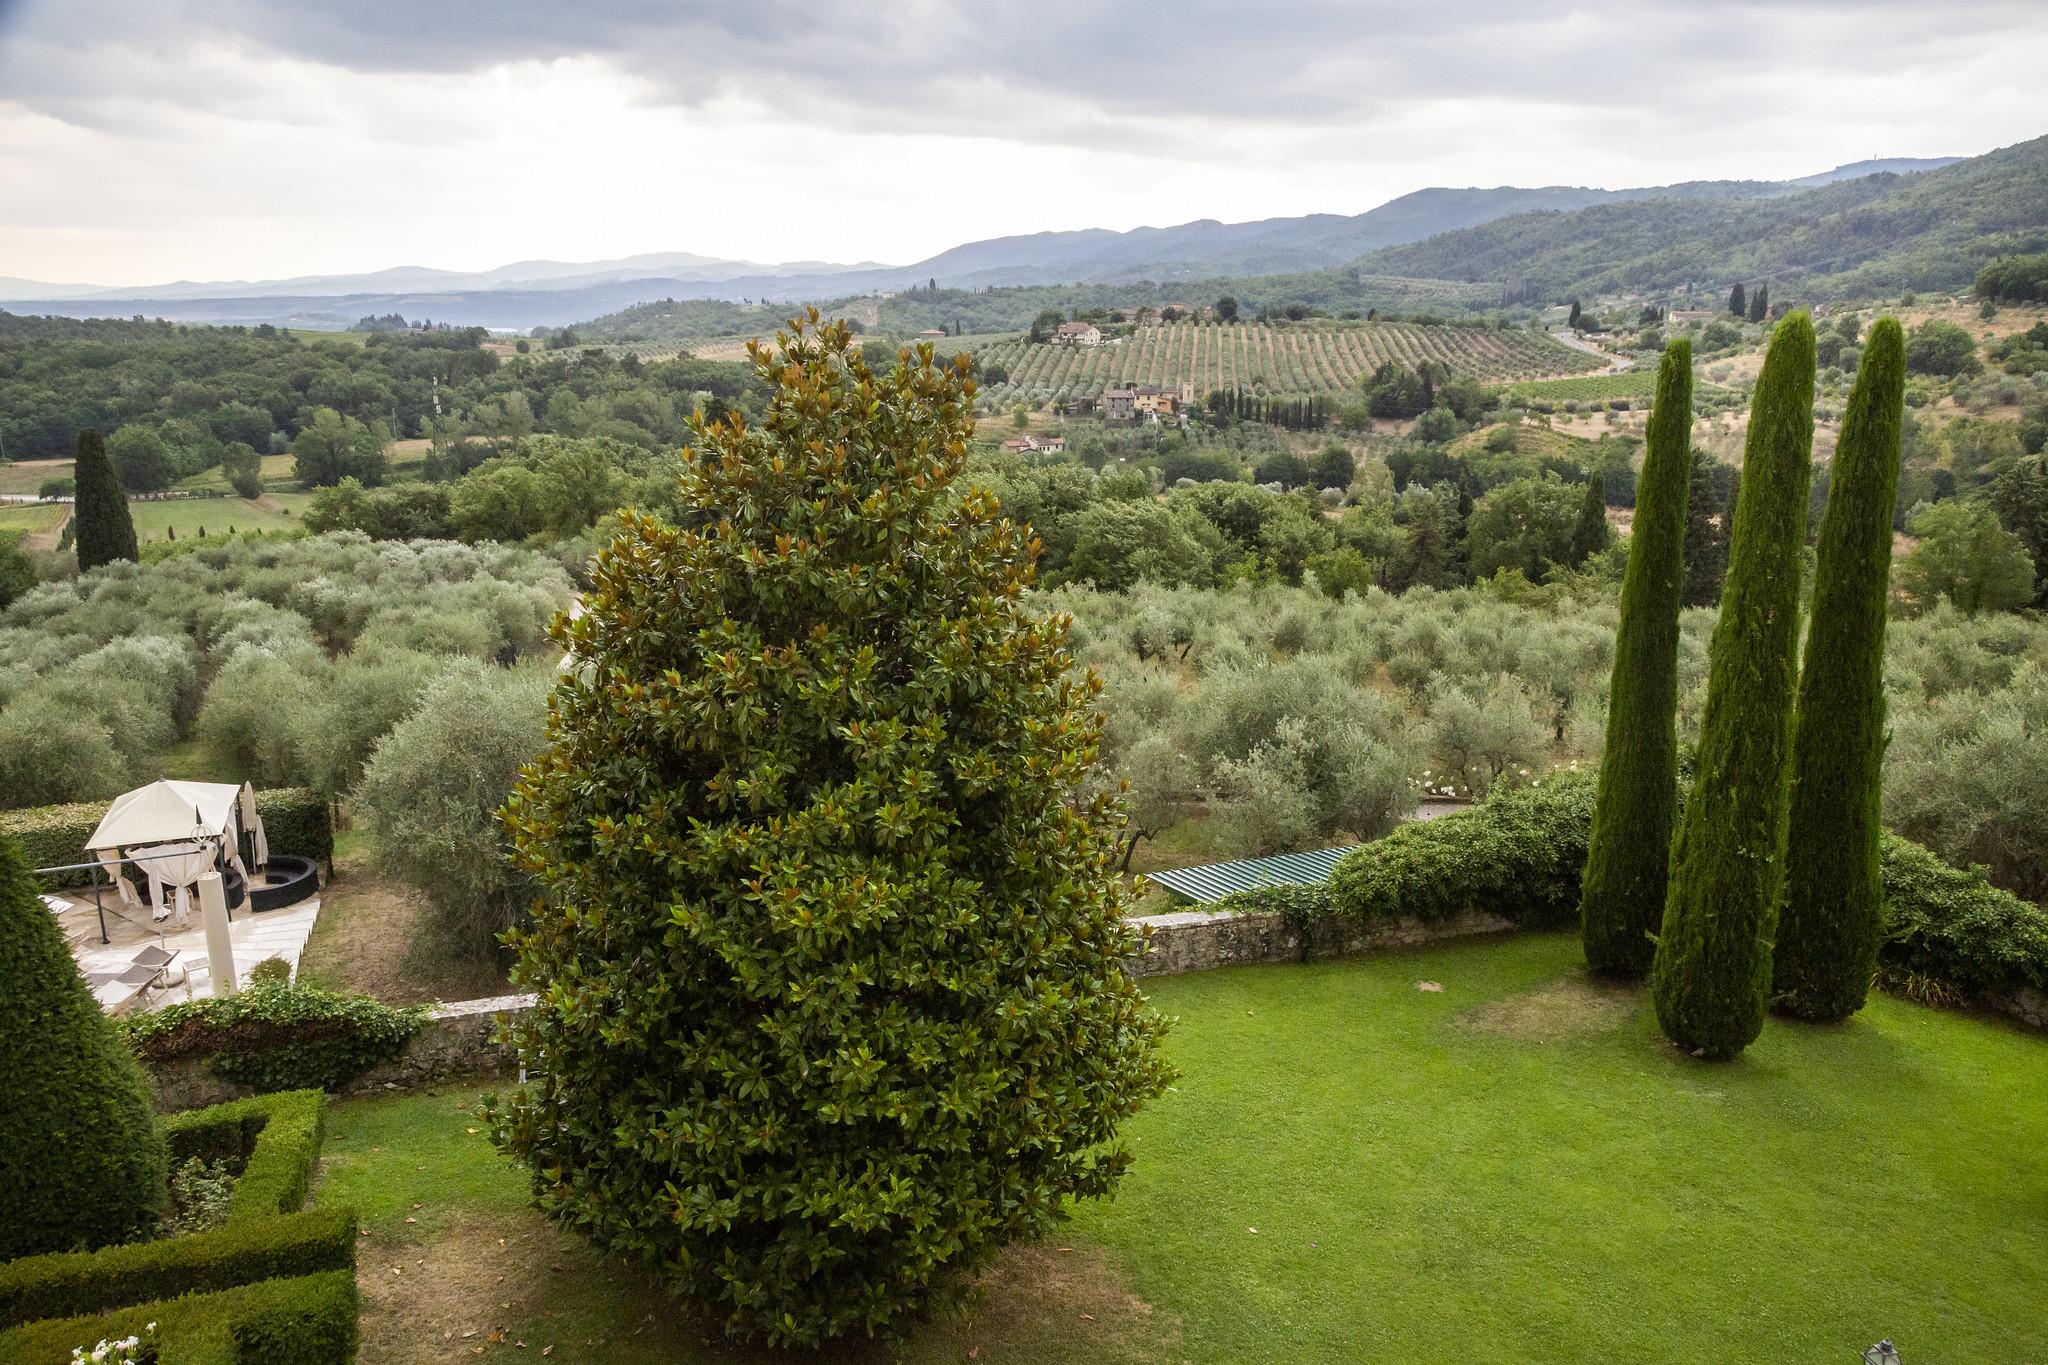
{"x": 1295, "y": 359}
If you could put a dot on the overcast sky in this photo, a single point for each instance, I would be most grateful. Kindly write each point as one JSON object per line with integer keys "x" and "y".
{"x": 148, "y": 140}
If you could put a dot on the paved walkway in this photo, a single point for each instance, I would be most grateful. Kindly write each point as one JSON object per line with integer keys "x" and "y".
{"x": 252, "y": 937}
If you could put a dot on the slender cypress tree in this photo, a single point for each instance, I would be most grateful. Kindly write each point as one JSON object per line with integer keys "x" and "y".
{"x": 1760, "y": 304}
{"x": 1833, "y": 916}
{"x": 1738, "y": 301}
{"x": 1591, "y": 533}
{"x": 105, "y": 532}
{"x": 1711, "y": 975}
{"x": 1706, "y": 539}
{"x": 1622, "y": 893}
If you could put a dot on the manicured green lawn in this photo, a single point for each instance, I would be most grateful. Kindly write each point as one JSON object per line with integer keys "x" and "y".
{"x": 1514, "y": 1168}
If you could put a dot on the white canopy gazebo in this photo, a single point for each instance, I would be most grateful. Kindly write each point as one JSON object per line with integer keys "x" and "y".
{"x": 174, "y": 830}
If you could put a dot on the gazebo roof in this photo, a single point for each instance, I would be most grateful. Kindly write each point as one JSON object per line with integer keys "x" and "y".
{"x": 164, "y": 811}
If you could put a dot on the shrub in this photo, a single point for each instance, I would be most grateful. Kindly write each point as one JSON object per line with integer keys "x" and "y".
{"x": 1950, "y": 924}
{"x": 1712, "y": 970}
{"x": 1833, "y": 914}
{"x": 276, "y": 1036}
{"x": 1624, "y": 885}
{"x": 275, "y": 1137}
{"x": 832, "y": 997}
{"x": 307, "y": 1320}
{"x": 81, "y": 1151}
{"x": 1518, "y": 855}
{"x": 69, "y": 1283}
{"x": 199, "y": 1195}
{"x": 430, "y": 795}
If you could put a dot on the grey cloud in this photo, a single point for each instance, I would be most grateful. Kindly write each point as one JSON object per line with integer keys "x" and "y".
{"x": 1059, "y": 71}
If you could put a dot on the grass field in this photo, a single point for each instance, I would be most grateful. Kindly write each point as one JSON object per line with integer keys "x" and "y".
{"x": 276, "y": 471}
{"x": 1516, "y": 1168}
{"x": 27, "y": 476}
{"x": 273, "y": 512}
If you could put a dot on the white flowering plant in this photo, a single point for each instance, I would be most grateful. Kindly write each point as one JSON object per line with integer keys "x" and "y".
{"x": 135, "y": 1349}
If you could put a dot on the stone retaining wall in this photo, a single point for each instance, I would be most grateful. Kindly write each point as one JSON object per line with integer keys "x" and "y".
{"x": 1196, "y": 940}
{"x": 456, "y": 1042}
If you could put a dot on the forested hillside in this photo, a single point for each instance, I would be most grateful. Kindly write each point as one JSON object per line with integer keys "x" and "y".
{"x": 200, "y": 387}
{"x": 1868, "y": 237}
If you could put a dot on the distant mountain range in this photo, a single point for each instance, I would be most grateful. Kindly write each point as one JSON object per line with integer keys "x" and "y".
{"x": 1864, "y": 236}
{"x": 554, "y": 293}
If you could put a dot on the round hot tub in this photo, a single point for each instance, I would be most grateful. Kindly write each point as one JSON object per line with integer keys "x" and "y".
{"x": 288, "y": 880}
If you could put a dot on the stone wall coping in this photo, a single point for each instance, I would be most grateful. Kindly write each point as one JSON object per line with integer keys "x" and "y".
{"x": 496, "y": 1004}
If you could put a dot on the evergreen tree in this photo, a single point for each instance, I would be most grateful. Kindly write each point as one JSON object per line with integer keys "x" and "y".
{"x": 1738, "y": 303}
{"x": 2020, "y": 497}
{"x": 1591, "y": 534}
{"x": 1712, "y": 972}
{"x": 1623, "y": 891}
{"x": 105, "y": 532}
{"x": 1573, "y": 320}
{"x": 833, "y": 1003}
{"x": 81, "y": 1151}
{"x": 1760, "y": 304}
{"x": 1706, "y": 537}
{"x": 1833, "y": 916}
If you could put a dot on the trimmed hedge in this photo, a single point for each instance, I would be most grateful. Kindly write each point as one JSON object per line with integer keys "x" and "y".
{"x": 309, "y": 1320}
{"x": 295, "y": 820}
{"x": 279, "y": 1135}
{"x": 81, "y": 1151}
{"x": 276, "y": 1036}
{"x": 238, "y": 1253}
{"x": 1951, "y": 923}
{"x": 1518, "y": 854}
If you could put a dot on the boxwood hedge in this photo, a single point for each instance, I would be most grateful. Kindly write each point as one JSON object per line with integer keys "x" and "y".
{"x": 276, "y": 1136}
{"x": 307, "y": 1320}
{"x": 239, "y": 1252}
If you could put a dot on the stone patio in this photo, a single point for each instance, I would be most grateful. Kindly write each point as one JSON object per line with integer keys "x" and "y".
{"x": 252, "y": 936}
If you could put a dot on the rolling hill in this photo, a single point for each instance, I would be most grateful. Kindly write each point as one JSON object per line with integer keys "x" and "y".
{"x": 1872, "y": 235}
{"x": 526, "y": 294}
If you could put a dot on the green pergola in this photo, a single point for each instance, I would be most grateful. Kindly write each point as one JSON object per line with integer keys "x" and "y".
{"x": 1211, "y": 882}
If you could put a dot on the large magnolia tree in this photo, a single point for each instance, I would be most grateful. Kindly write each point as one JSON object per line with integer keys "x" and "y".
{"x": 831, "y": 995}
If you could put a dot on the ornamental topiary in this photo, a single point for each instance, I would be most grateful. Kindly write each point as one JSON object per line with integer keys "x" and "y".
{"x": 105, "y": 531}
{"x": 81, "y": 1151}
{"x": 1622, "y": 898}
{"x": 831, "y": 1000}
{"x": 1711, "y": 973}
{"x": 1832, "y": 919}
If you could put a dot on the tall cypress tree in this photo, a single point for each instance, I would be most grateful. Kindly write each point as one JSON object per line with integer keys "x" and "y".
{"x": 1833, "y": 916}
{"x": 1706, "y": 537}
{"x": 1738, "y": 301}
{"x": 1622, "y": 893}
{"x": 1591, "y": 533}
{"x": 1711, "y": 975}
{"x": 105, "y": 532}
{"x": 1760, "y": 304}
